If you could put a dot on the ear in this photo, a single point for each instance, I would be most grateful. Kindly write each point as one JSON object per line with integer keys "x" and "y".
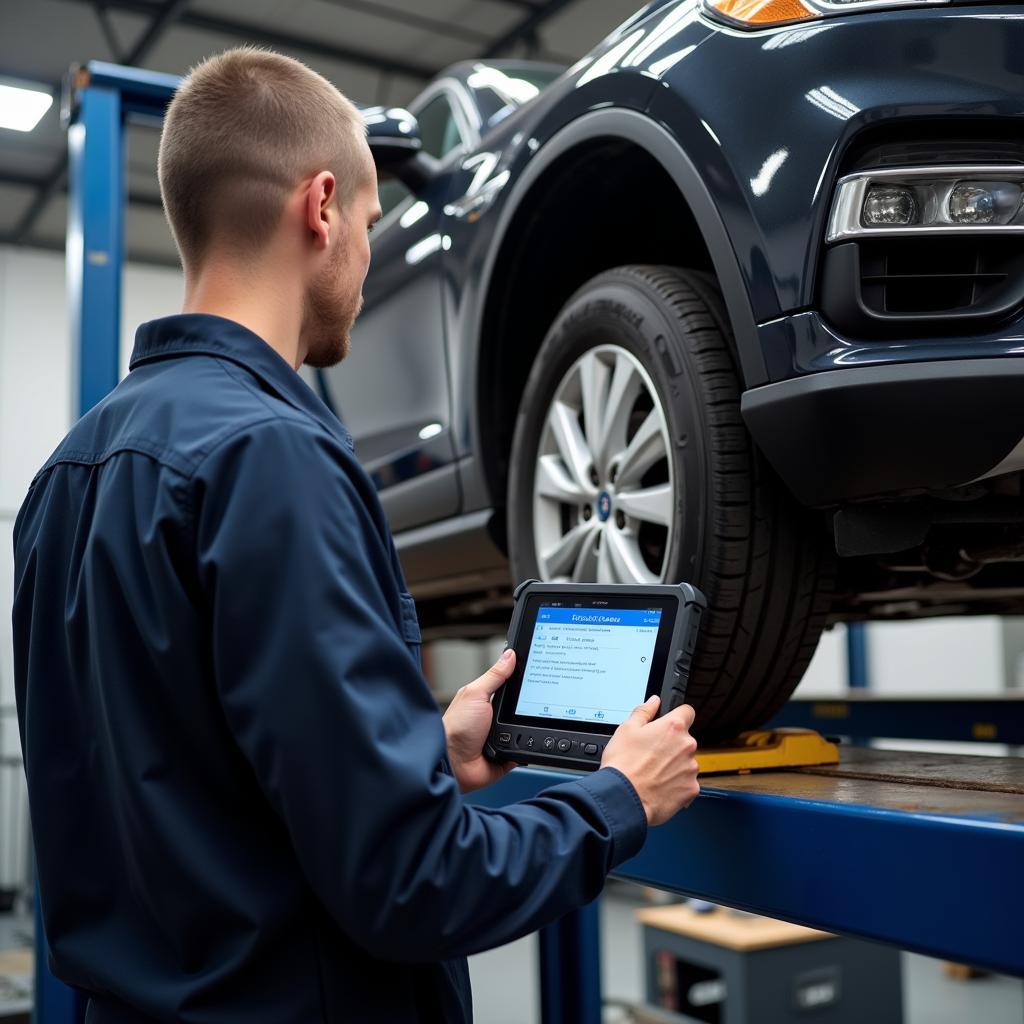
{"x": 319, "y": 196}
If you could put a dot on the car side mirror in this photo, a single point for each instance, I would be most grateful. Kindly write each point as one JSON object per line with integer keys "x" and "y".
{"x": 393, "y": 135}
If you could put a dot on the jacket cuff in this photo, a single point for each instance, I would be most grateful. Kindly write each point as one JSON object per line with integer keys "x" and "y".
{"x": 627, "y": 821}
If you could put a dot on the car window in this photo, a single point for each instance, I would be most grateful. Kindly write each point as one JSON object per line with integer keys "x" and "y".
{"x": 390, "y": 192}
{"x": 500, "y": 90}
{"x": 438, "y": 128}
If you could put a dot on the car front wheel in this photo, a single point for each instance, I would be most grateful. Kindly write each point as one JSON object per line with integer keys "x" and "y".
{"x": 631, "y": 464}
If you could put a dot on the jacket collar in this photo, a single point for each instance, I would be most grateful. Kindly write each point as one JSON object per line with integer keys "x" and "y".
{"x": 188, "y": 334}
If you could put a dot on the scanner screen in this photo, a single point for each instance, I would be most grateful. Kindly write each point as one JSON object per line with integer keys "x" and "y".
{"x": 588, "y": 664}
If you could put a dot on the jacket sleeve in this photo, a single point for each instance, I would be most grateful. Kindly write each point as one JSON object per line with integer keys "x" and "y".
{"x": 329, "y": 706}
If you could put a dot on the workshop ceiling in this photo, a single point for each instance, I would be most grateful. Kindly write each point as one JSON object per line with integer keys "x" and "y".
{"x": 375, "y": 51}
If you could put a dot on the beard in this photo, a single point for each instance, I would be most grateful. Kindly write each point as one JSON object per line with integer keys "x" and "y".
{"x": 328, "y": 315}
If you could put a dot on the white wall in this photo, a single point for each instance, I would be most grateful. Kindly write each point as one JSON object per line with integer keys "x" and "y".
{"x": 949, "y": 655}
{"x": 826, "y": 674}
{"x": 936, "y": 656}
{"x": 35, "y": 412}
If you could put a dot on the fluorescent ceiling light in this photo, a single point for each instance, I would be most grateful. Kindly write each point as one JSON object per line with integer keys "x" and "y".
{"x": 21, "y": 109}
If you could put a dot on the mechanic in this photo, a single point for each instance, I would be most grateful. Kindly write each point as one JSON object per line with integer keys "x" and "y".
{"x": 246, "y": 805}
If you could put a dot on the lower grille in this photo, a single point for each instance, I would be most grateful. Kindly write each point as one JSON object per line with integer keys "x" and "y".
{"x": 908, "y": 286}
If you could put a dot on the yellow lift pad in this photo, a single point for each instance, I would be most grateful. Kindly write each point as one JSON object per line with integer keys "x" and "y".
{"x": 760, "y": 748}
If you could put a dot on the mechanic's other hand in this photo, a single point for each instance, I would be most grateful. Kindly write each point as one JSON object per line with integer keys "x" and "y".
{"x": 657, "y": 757}
{"x": 467, "y": 723}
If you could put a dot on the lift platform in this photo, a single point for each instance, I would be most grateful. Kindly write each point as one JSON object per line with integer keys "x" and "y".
{"x": 761, "y": 749}
{"x": 923, "y": 851}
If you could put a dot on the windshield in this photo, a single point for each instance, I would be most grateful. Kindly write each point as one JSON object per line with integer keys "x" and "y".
{"x": 500, "y": 89}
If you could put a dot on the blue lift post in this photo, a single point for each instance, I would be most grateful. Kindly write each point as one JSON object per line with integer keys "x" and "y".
{"x": 97, "y": 99}
{"x": 865, "y": 858}
{"x": 857, "y": 677}
{"x": 570, "y": 968}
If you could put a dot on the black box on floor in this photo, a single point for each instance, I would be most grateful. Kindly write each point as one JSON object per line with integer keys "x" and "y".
{"x": 720, "y": 967}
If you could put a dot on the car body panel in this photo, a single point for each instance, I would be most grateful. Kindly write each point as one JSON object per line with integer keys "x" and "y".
{"x": 753, "y": 128}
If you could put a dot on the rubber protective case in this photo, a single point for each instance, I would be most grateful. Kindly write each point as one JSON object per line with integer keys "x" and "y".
{"x": 559, "y": 745}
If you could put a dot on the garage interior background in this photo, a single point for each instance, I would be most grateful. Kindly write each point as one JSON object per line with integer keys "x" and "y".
{"x": 376, "y": 52}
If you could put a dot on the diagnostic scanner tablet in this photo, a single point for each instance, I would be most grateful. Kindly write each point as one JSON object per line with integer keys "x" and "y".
{"x": 586, "y": 656}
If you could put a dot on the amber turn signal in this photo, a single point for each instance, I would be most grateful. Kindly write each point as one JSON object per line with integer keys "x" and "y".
{"x": 762, "y": 12}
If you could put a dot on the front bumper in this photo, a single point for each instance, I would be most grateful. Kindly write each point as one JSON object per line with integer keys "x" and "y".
{"x": 869, "y": 431}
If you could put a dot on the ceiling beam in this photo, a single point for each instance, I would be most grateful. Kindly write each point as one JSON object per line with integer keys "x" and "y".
{"x": 397, "y": 15}
{"x": 527, "y": 5}
{"x": 55, "y": 180}
{"x": 107, "y": 28}
{"x": 526, "y": 28}
{"x": 29, "y": 181}
{"x": 242, "y": 31}
{"x": 330, "y": 51}
{"x": 168, "y": 13}
{"x": 164, "y": 16}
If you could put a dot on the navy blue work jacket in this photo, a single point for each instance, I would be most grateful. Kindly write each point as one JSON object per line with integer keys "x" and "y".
{"x": 241, "y": 802}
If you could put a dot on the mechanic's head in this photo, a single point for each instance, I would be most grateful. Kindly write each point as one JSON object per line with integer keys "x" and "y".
{"x": 262, "y": 159}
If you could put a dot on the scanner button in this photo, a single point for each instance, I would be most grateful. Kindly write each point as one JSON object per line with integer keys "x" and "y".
{"x": 564, "y": 745}
{"x": 549, "y": 742}
{"x": 590, "y": 748}
{"x": 504, "y": 738}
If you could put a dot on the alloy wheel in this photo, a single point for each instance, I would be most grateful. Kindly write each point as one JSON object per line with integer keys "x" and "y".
{"x": 604, "y": 496}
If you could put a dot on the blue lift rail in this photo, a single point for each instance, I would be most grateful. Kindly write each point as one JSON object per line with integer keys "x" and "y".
{"x": 97, "y": 100}
{"x": 908, "y": 849}
{"x": 862, "y": 715}
{"x": 921, "y": 852}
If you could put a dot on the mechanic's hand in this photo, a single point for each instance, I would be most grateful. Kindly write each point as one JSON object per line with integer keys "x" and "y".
{"x": 657, "y": 757}
{"x": 467, "y": 722}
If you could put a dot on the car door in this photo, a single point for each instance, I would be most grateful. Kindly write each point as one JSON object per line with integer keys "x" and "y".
{"x": 392, "y": 391}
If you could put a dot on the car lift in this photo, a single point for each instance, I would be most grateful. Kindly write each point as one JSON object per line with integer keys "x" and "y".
{"x": 920, "y": 850}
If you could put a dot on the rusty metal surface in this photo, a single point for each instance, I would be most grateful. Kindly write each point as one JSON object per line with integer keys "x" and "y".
{"x": 950, "y": 771}
{"x": 968, "y": 786}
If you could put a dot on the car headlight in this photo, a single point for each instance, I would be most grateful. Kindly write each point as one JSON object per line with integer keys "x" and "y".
{"x": 918, "y": 200}
{"x": 768, "y": 13}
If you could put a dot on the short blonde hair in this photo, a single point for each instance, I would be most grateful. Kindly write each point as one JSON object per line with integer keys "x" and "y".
{"x": 244, "y": 128}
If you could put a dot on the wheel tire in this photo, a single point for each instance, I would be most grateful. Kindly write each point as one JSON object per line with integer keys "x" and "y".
{"x": 765, "y": 564}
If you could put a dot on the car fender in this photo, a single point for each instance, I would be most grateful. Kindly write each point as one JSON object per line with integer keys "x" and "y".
{"x": 639, "y": 128}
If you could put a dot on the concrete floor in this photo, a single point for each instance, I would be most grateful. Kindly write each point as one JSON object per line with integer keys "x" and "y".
{"x": 15, "y": 990}
{"x": 505, "y": 980}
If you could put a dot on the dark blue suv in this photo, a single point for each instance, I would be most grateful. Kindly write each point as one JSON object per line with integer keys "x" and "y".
{"x": 736, "y": 299}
